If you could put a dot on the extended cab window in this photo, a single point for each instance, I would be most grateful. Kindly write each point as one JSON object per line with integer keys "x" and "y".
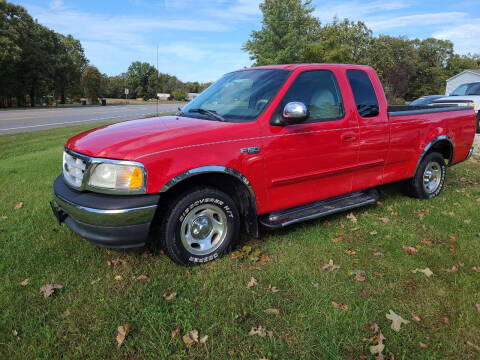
{"x": 363, "y": 92}
{"x": 318, "y": 90}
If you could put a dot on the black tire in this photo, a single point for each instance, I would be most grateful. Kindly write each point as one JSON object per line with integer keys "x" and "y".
{"x": 418, "y": 187}
{"x": 478, "y": 122}
{"x": 200, "y": 208}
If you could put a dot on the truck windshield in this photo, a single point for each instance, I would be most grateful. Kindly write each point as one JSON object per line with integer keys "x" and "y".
{"x": 467, "y": 89}
{"x": 238, "y": 96}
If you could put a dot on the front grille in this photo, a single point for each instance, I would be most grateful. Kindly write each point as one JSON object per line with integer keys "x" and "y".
{"x": 73, "y": 169}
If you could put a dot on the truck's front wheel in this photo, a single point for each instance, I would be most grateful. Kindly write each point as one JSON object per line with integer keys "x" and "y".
{"x": 200, "y": 226}
{"x": 429, "y": 178}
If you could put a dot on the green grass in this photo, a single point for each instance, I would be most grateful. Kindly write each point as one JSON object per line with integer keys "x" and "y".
{"x": 80, "y": 321}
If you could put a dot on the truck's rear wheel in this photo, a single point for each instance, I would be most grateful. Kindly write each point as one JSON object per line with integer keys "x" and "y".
{"x": 478, "y": 122}
{"x": 429, "y": 178}
{"x": 200, "y": 226}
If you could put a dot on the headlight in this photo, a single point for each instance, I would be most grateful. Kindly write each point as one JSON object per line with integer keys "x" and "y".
{"x": 116, "y": 177}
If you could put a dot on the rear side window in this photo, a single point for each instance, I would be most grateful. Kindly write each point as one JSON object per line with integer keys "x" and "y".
{"x": 363, "y": 92}
{"x": 318, "y": 90}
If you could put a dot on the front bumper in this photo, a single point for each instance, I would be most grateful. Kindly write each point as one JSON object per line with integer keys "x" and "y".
{"x": 114, "y": 221}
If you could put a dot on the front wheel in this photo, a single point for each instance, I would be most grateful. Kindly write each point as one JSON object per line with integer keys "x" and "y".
{"x": 200, "y": 226}
{"x": 429, "y": 178}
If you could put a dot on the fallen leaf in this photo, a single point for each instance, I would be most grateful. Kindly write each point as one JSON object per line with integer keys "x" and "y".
{"x": 452, "y": 247}
{"x": 243, "y": 316}
{"x": 422, "y": 345}
{"x": 337, "y": 238}
{"x": 340, "y": 305}
{"x": 350, "y": 252}
{"x": 377, "y": 349}
{"x": 95, "y": 281}
{"x": 115, "y": 262}
{"x": 122, "y": 332}
{"x": 118, "y": 277}
{"x": 329, "y": 266}
{"x": 270, "y": 334}
{"x": 18, "y": 206}
{"x": 169, "y": 296}
{"x": 352, "y": 217}
{"x": 252, "y": 282}
{"x": 445, "y": 319}
{"x": 273, "y": 289}
{"x": 258, "y": 330}
{"x": 426, "y": 242}
{"x": 49, "y": 289}
{"x": 379, "y": 274}
{"x": 25, "y": 282}
{"x": 410, "y": 250}
{"x": 416, "y": 318}
{"x": 453, "y": 269}
{"x": 174, "y": 333}
{"x": 425, "y": 271}
{"x": 272, "y": 311}
{"x": 365, "y": 293}
{"x": 397, "y": 320}
{"x": 476, "y": 268}
{"x": 360, "y": 277}
{"x": 384, "y": 220}
{"x": 203, "y": 339}
{"x": 264, "y": 258}
{"x": 4, "y": 217}
{"x": 476, "y": 347}
{"x": 14, "y": 332}
{"x": 190, "y": 338}
{"x": 142, "y": 277}
{"x": 146, "y": 254}
{"x": 478, "y": 307}
{"x": 374, "y": 232}
{"x": 377, "y": 254}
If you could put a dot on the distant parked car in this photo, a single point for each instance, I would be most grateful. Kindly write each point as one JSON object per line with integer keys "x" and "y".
{"x": 425, "y": 100}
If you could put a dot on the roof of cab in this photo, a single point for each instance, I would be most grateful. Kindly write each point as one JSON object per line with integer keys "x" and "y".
{"x": 307, "y": 66}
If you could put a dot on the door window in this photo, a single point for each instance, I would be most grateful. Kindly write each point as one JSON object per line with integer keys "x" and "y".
{"x": 318, "y": 90}
{"x": 363, "y": 92}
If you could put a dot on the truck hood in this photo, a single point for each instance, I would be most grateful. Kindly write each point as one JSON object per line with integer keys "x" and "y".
{"x": 131, "y": 139}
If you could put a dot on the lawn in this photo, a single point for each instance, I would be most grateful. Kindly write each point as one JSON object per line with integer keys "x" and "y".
{"x": 320, "y": 312}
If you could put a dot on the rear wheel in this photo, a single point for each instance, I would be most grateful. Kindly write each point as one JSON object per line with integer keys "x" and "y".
{"x": 200, "y": 226}
{"x": 429, "y": 178}
{"x": 478, "y": 122}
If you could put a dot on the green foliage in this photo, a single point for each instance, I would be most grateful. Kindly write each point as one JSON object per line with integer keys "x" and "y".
{"x": 178, "y": 95}
{"x": 92, "y": 83}
{"x": 36, "y": 64}
{"x": 288, "y": 27}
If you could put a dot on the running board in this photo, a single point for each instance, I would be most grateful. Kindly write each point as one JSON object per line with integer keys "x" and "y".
{"x": 318, "y": 209}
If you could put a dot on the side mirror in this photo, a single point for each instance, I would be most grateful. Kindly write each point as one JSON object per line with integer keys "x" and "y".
{"x": 294, "y": 113}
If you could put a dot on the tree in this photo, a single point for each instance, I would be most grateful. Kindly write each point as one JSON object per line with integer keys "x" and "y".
{"x": 179, "y": 95}
{"x": 142, "y": 80}
{"x": 92, "y": 83}
{"x": 288, "y": 27}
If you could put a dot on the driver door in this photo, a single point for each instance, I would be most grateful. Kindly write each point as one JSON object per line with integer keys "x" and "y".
{"x": 315, "y": 159}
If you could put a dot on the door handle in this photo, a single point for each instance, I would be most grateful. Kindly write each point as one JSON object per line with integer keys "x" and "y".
{"x": 349, "y": 138}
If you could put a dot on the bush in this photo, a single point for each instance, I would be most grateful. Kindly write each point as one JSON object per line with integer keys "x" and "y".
{"x": 179, "y": 95}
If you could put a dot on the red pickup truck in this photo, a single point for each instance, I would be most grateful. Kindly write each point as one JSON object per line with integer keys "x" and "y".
{"x": 267, "y": 146}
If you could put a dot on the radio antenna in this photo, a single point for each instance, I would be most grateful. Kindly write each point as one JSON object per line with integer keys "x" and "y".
{"x": 157, "y": 82}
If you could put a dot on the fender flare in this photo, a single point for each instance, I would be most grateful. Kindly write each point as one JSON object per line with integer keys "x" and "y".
{"x": 252, "y": 221}
{"x": 432, "y": 143}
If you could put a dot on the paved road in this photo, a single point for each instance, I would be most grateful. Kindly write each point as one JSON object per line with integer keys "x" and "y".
{"x": 15, "y": 121}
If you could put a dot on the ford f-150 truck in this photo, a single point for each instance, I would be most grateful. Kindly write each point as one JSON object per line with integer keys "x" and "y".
{"x": 261, "y": 147}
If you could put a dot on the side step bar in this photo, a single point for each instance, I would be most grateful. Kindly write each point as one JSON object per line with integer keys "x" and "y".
{"x": 279, "y": 219}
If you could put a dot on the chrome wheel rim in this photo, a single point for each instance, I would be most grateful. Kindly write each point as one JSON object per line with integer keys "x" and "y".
{"x": 204, "y": 229}
{"x": 432, "y": 177}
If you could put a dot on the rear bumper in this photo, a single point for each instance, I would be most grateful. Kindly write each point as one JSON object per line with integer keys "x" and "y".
{"x": 105, "y": 220}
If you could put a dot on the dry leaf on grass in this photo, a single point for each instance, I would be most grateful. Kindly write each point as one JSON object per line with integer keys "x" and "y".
{"x": 118, "y": 277}
{"x": 453, "y": 269}
{"x": 410, "y": 250}
{"x": 122, "y": 332}
{"x": 445, "y": 319}
{"x": 273, "y": 289}
{"x": 18, "y": 206}
{"x": 93, "y": 282}
{"x": 397, "y": 320}
{"x": 352, "y": 217}
{"x": 374, "y": 232}
{"x": 272, "y": 311}
{"x": 377, "y": 254}
{"x": 338, "y": 238}
{"x": 422, "y": 345}
{"x": 142, "y": 277}
{"x": 203, "y": 339}
{"x": 49, "y": 289}
{"x": 426, "y": 242}
{"x": 384, "y": 220}
{"x": 350, "y": 252}
{"x": 252, "y": 282}
{"x": 329, "y": 266}
{"x": 478, "y": 307}
{"x": 340, "y": 305}
{"x": 365, "y": 293}
{"x": 4, "y": 217}
{"x": 170, "y": 296}
{"x": 476, "y": 268}
{"x": 476, "y": 347}
{"x": 379, "y": 274}
{"x": 174, "y": 333}
{"x": 258, "y": 330}
{"x": 425, "y": 271}
{"x": 190, "y": 338}
{"x": 115, "y": 262}
{"x": 25, "y": 282}
{"x": 416, "y": 318}
{"x": 14, "y": 332}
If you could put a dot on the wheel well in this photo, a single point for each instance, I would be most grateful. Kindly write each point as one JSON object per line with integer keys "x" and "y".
{"x": 444, "y": 147}
{"x": 232, "y": 186}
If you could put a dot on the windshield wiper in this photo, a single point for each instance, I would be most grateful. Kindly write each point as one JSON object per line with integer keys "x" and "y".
{"x": 212, "y": 113}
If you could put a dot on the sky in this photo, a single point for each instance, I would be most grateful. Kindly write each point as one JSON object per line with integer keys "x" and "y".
{"x": 199, "y": 40}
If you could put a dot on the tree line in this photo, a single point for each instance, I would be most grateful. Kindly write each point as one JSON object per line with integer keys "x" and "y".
{"x": 408, "y": 68}
{"x": 40, "y": 66}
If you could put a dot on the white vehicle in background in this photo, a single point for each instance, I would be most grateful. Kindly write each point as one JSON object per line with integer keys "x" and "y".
{"x": 464, "y": 95}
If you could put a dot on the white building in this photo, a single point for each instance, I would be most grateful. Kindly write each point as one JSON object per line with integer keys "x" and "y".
{"x": 192, "y": 96}
{"x": 163, "y": 96}
{"x": 465, "y": 77}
